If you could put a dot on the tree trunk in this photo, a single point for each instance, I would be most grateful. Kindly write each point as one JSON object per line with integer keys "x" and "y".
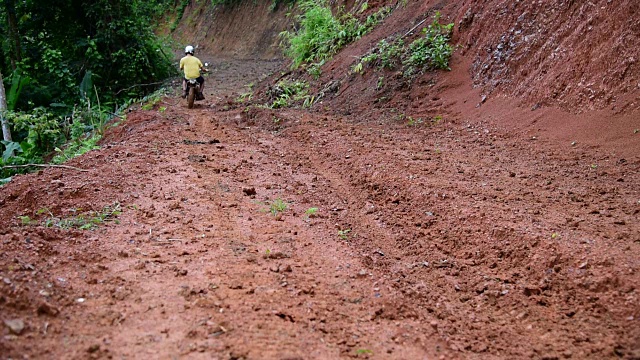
{"x": 14, "y": 35}
{"x": 6, "y": 131}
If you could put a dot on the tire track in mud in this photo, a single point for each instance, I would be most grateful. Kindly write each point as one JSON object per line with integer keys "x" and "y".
{"x": 514, "y": 270}
{"x": 195, "y": 268}
{"x": 274, "y": 174}
{"x": 198, "y": 270}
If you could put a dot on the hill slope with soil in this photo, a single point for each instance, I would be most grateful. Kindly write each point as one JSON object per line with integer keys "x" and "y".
{"x": 575, "y": 55}
{"x": 490, "y": 229}
{"x": 242, "y": 30}
{"x": 576, "y": 63}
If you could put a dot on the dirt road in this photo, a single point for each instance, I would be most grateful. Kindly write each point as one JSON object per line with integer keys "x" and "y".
{"x": 248, "y": 233}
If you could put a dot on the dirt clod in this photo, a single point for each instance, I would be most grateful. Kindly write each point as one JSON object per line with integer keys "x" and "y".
{"x": 47, "y": 309}
{"x": 249, "y": 191}
{"x": 16, "y": 326}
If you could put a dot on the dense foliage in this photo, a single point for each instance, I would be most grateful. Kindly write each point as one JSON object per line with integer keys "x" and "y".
{"x": 53, "y": 47}
{"x": 61, "y": 56}
{"x": 321, "y": 34}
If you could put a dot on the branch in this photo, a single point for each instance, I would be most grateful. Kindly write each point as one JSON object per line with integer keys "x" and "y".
{"x": 412, "y": 29}
{"x": 131, "y": 87}
{"x": 44, "y": 166}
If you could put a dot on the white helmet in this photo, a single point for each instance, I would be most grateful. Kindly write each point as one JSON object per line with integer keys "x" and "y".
{"x": 188, "y": 50}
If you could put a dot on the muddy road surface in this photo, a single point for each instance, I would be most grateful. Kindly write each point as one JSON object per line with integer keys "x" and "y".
{"x": 233, "y": 232}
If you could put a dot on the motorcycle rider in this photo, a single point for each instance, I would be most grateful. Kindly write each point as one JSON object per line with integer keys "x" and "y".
{"x": 191, "y": 66}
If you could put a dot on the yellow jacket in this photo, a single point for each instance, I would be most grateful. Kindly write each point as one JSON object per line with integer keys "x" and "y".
{"x": 191, "y": 66}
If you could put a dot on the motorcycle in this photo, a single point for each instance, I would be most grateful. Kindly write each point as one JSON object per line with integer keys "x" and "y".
{"x": 193, "y": 90}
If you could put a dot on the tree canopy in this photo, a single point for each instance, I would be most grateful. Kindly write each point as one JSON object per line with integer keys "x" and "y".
{"x": 56, "y": 51}
{"x": 61, "y": 58}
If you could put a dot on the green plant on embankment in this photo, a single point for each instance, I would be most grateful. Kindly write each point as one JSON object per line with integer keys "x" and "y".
{"x": 430, "y": 51}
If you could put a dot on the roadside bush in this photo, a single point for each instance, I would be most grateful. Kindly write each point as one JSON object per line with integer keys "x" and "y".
{"x": 14, "y": 154}
{"x": 45, "y": 133}
{"x": 429, "y": 52}
{"x": 86, "y": 127}
{"x": 60, "y": 60}
{"x": 320, "y": 34}
{"x": 55, "y": 49}
{"x": 314, "y": 41}
{"x": 180, "y": 13}
{"x": 432, "y": 51}
{"x": 285, "y": 92}
{"x": 42, "y": 128}
{"x": 385, "y": 55}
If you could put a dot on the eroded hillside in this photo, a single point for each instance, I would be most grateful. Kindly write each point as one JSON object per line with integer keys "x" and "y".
{"x": 574, "y": 55}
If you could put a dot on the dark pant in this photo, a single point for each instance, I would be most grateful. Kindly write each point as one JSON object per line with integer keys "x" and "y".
{"x": 199, "y": 79}
{"x": 199, "y": 95}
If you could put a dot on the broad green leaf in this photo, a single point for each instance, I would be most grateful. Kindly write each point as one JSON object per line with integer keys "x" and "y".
{"x": 11, "y": 149}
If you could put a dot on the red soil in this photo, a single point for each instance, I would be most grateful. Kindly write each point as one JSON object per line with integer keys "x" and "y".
{"x": 503, "y": 230}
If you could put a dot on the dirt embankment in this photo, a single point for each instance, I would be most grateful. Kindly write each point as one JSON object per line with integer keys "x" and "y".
{"x": 578, "y": 55}
{"x": 573, "y": 55}
{"x": 567, "y": 70}
{"x": 243, "y": 30}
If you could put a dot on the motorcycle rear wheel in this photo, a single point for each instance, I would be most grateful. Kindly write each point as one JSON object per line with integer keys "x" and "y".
{"x": 191, "y": 97}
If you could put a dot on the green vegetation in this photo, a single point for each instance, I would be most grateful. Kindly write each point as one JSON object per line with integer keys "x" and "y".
{"x": 247, "y": 96}
{"x": 344, "y": 234}
{"x": 27, "y": 220}
{"x": 277, "y": 206}
{"x": 429, "y": 52}
{"x": 244, "y": 97}
{"x": 432, "y": 51}
{"x": 79, "y": 220}
{"x": 310, "y": 213}
{"x": 385, "y": 55}
{"x": 180, "y": 13}
{"x": 69, "y": 52}
{"x": 288, "y": 92}
{"x": 285, "y": 92}
{"x": 364, "y": 352}
{"x": 77, "y": 147}
{"x": 67, "y": 137}
{"x": 414, "y": 122}
{"x": 420, "y": 121}
{"x": 315, "y": 70}
{"x": 320, "y": 34}
{"x": 68, "y": 67}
